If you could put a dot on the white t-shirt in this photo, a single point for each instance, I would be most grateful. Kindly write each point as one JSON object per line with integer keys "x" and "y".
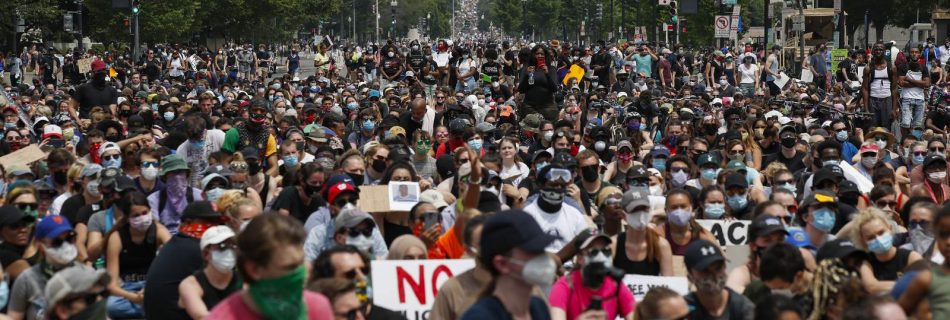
{"x": 564, "y": 224}
{"x": 913, "y": 92}
{"x": 748, "y": 74}
{"x": 197, "y": 159}
{"x": 466, "y": 65}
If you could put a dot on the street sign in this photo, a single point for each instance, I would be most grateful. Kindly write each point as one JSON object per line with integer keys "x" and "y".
{"x": 68, "y": 22}
{"x": 798, "y": 23}
{"x": 734, "y": 28}
{"x": 722, "y": 26}
{"x": 729, "y": 2}
{"x": 665, "y": 2}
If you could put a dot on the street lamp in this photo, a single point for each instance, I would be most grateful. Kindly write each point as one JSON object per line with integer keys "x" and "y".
{"x": 393, "y": 5}
{"x": 524, "y": 18}
{"x": 429, "y": 24}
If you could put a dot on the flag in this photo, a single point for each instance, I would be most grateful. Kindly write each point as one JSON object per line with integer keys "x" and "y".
{"x": 576, "y": 72}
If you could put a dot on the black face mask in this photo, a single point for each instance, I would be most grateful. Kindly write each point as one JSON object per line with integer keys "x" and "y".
{"x": 379, "y": 165}
{"x": 313, "y": 191}
{"x": 711, "y": 129}
{"x": 357, "y": 179}
{"x": 788, "y": 142}
{"x": 593, "y": 274}
{"x": 589, "y": 173}
{"x": 849, "y": 199}
{"x": 60, "y": 178}
{"x": 551, "y": 199}
{"x": 99, "y": 78}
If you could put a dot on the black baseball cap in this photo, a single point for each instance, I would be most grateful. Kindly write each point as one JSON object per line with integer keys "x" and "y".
{"x": 829, "y": 172}
{"x": 10, "y": 215}
{"x": 700, "y": 254}
{"x": 763, "y": 225}
{"x": 200, "y": 210}
{"x": 511, "y": 229}
{"x": 931, "y": 159}
{"x": 736, "y": 180}
{"x": 838, "y": 248}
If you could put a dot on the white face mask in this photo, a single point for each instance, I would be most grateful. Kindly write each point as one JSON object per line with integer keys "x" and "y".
{"x": 223, "y": 260}
{"x": 539, "y": 271}
{"x": 638, "y": 220}
{"x": 361, "y": 242}
{"x": 63, "y": 254}
{"x": 141, "y": 222}
{"x": 937, "y": 177}
{"x": 93, "y": 188}
{"x": 390, "y": 54}
{"x": 150, "y": 173}
{"x": 656, "y": 190}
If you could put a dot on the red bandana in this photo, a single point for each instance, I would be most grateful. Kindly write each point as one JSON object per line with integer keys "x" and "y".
{"x": 195, "y": 229}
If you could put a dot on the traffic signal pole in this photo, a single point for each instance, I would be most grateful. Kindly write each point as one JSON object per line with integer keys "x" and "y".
{"x": 135, "y": 48}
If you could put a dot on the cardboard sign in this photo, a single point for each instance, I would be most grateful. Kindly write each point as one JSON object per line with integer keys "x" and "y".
{"x": 23, "y": 157}
{"x": 84, "y": 65}
{"x": 410, "y": 286}
{"x": 729, "y": 233}
{"x": 639, "y": 284}
{"x": 837, "y": 55}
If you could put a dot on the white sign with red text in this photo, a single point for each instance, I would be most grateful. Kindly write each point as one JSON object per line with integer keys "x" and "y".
{"x": 410, "y": 286}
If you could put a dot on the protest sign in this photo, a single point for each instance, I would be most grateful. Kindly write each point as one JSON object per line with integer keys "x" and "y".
{"x": 84, "y": 65}
{"x": 639, "y": 284}
{"x": 23, "y": 157}
{"x": 388, "y": 198}
{"x": 728, "y": 232}
{"x": 410, "y": 286}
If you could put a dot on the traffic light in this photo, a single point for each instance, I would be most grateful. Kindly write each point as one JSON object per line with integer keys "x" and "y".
{"x": 683, "y": 25}
{"x": 135, "y": 7}
{"x": 673, "y": 11}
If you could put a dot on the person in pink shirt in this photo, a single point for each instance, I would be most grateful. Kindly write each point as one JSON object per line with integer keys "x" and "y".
{"x": 593, "y": 278}
{"x": 271, "y": 261}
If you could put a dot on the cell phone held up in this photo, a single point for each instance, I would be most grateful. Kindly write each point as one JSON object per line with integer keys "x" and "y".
{"x": 57, "y": 143}
{"x": 430, "y": 219}
{"x": 541, "y": 62}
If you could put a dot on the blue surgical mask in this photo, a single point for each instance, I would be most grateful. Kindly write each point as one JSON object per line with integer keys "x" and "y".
{"x": 823, "y": 219}
{"x": 476, "y": 144}
{"x": 659, "y": 164}
{"x": 352, "y": 106}
{"x": 290, "y": 160}
{"x": 169, "y": 116}
{"x": 841, "y": 136}
{"x": 881, "y": 244}
{"x": 9, "y": 125}
{"x": 540, "y": 166}
{"x": 714, "y": 210}
{"x": 710, "y": 174}
{"x": 790, "y": 187}
{"x": 918, "y": 160}
{"x": 737, "y": 202}
{"x": 368, "y": 125}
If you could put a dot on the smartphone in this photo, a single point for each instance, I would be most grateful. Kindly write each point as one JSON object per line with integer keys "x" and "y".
{"x": 541, "y": 62}
{"x": 57, "y": 143}
{"x": 430, "y": 219}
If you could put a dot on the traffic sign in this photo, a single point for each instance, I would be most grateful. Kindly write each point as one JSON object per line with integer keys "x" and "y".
{"x": 722, "y": 24}
{"x": 665, "y": 2}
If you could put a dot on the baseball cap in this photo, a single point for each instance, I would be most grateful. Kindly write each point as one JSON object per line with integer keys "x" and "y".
{"x": 634, "y": 198}
{"x": 586, "y": 238}
{"x": 637, "y": 172}
{"x": 97, "y": 65}
{"x": 10, "y": 215}
{"x": 216, "y": 235}
{"x": 540, "y": 153}
{"x": 736, "y": 165}
{"x": 352, "y": 217}
{"x": 339, "y": 188}
{"x": 838, "y": 248}
{"x": 700, "y": 254}
{"x": 511, "y": 229}
{"x": 707, "y": 158}
{"x": 211, "y": 177}
{"x": 819, "y": 197}
{"x": 531, "y": 122}
{"x": 17, "y": 170}
{"x": 52, "y": 130}
{"x": 624, "y": 144}
{"x": 736, "y": 180}
{"x": 317, "y": 135}
{"x": 505, "y": 111}
{"x": 563, "y": 159}
{"x": 52, "y": 226}
{"x": 829, "y": 172}
{"x": 659, "y": 150}
{"x": 74, "y": 280}
{"x": 433, "y": 197}
{"x": 773, "y": 114}
{"x": 763, "y": 225}
{"x": 109, "y": 146}
{"x": 931, "y": 159}
{"x": 870, "y": 147}
{"x": 90, "y": 170}
{"x": 200, "y": 210}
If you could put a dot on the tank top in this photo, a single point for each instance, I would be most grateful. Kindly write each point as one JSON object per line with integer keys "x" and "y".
{"x": 880, "y": 83}
{"x": 939, "y": 294}
{"x": 678, "y": 250}
{"x": 620, "y": 176}
{"x": 892, "y": 269}
{"x": 135, "y": 258}
{"x": 213, "y": 295}
{"x": 649, "y": 268}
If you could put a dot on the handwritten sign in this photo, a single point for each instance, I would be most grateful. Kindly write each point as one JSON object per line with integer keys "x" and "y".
{"x": 639, "y": 284}
{"x": 23, "y": 157}
{"x": 729, "y": 233}
{"x": 410, "y": 286}
{"x": 84, "y": 65}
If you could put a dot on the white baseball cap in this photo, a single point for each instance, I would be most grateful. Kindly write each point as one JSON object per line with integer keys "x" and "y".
{"x": 216, "y": 235}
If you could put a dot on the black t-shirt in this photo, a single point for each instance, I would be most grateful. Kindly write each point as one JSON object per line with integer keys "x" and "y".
{"x": 289, "y": 199}
{"x": 416, "y": 62}
{"x": 939, "y": 118}
{"x": 793, "y": 164}
{"x": 492, "y": 69}
{"x": 261, "y": 56}
{"x": 492, "y": 308}
{"x": 509, "y": 70}
{"x": 84, "y": 213}
{"x": 10, "y": 253}
{"x": 380, "y": 313}
{"x": 89, "y": 96}
{"x": 738, "y": 307}
{"x": 176, "y": 260}
{"x": 406, "y": 122}
{"x": 153, "y": 68}
{"x": 68, "y": 211}
{"x": 601, "y": 59}
{"x": 848, "y": 66}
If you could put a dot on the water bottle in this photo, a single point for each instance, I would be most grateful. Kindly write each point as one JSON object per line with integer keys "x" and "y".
{"x": 531, "y": 78}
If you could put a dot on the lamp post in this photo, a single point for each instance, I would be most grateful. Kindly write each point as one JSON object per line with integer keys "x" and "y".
{"x": 524, "y": 18}
{"x": 392, "y": 32}
{"x": 429, "y": 24}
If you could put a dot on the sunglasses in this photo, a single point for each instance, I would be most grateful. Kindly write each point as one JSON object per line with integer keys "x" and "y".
{"x": 342, "y": 201}
{"x": 26, "y": 206}
{"x": 441, "y": 134}
{"x": 788, "y": 219}
{"x": 223, "y": 246}
{"x": 150, "y": 164}
{"x": 71, "y": 238}
{"x": 736, "y": 152}
{"x": 781, "y": 182}
{"x": 351, "y": 275}
{"x": 937, "y": 149}
{"x": 352, "y": 314}
{"x": 353, "y": 232}
{"x": 679, "y": 169}
{"x": 238, "y": 166}
{"x": 112, "y": 157}
{"x": 594, "y": 252}
{"x": 920, "y": 153}
{"x": 612, "y": 202}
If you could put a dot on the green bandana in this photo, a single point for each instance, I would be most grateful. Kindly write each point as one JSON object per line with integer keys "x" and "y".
{"x": 281, "y": 297}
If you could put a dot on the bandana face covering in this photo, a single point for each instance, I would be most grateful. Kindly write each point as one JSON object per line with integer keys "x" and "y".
{"x": 195, "y": 229}
{"x": 281, "y": 297}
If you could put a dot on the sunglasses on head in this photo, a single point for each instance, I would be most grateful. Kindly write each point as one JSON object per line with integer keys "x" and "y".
{"x": 612, "y": 202}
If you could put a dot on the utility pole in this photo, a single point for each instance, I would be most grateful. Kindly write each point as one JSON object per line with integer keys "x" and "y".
{"x": 867, "y": 28}
{"x": 610, "y": 35}
{"x": 376, "y": 11}
{"x": 354, "y": 21}
{"x": 801, "y": 34}
{"x": 135, "y": 17}
{"x": 765, "y": 27}
{"x": 392, "y": 30}
{"x": 81, "y": 47}
{"x": 524, "y": 18}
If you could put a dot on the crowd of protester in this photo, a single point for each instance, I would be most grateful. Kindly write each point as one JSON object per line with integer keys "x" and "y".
{"x": 199, "y": 183}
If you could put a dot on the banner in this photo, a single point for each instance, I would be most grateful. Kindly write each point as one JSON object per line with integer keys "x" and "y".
{"x": 639, "y": 284}
{"x": 409, "y": 286}
{"x": 728, "y": 232}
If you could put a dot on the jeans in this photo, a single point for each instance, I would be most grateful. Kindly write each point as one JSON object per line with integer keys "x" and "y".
{"x": 882, "y": 109}
{"x": 122, "y": 308}
{"x": 909, "y": 105}
{"x": 466, "y": 85}
{"x": 747, "y": 89}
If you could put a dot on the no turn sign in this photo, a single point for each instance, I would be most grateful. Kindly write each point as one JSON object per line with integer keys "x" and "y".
{"x": 722, "y": 24}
